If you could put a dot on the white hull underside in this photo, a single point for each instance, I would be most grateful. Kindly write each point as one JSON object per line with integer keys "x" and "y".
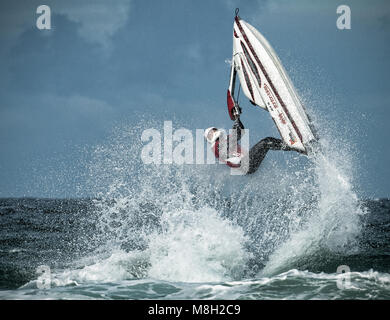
{"x": 265, "y": 82}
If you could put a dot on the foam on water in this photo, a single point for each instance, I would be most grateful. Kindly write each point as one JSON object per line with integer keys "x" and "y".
{"x": 334, "y": 223}
{"x": 197, "y": 246}
{"x": 199, "y": 224}
{"x": 192, "y": 246}
{"x": 292, "y": 284}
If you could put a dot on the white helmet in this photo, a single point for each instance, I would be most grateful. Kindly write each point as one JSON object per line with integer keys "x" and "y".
{"x": 214, "y": 137}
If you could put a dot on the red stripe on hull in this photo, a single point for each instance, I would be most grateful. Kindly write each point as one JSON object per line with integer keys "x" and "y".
{"x": 268, "y": 79}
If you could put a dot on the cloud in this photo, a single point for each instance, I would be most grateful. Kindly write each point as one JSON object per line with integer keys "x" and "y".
{"x": 37, "y": 113}
{"x": 15, "y": 17}
{"x": 98, "y": 20}
{"x": 192, "y": 52}
{"x": 360, "y": 8}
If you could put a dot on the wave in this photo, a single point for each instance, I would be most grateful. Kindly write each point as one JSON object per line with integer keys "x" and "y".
{"x": 292, "y": 284}
{"x": 198, "y": 223}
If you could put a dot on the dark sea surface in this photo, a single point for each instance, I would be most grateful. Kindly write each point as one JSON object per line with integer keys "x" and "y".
{"x": 67, "y": 238}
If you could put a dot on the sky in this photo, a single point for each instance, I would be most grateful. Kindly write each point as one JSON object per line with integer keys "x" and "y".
{"x": 64, "y": 90}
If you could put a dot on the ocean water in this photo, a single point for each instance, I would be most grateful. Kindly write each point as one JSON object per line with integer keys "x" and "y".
{"x": 296, "y": 229}
{"x": 189, "y": 255}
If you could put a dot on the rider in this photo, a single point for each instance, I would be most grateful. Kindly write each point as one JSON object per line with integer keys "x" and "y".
{"x": 227, "y": 149}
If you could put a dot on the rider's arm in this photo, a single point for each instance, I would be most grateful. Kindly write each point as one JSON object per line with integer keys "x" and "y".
{"x": 238, "y": 127}
{"x": 235, "y": 136}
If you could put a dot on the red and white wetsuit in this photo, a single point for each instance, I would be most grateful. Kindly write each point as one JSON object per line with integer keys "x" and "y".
{"x": 227, "y": 149}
